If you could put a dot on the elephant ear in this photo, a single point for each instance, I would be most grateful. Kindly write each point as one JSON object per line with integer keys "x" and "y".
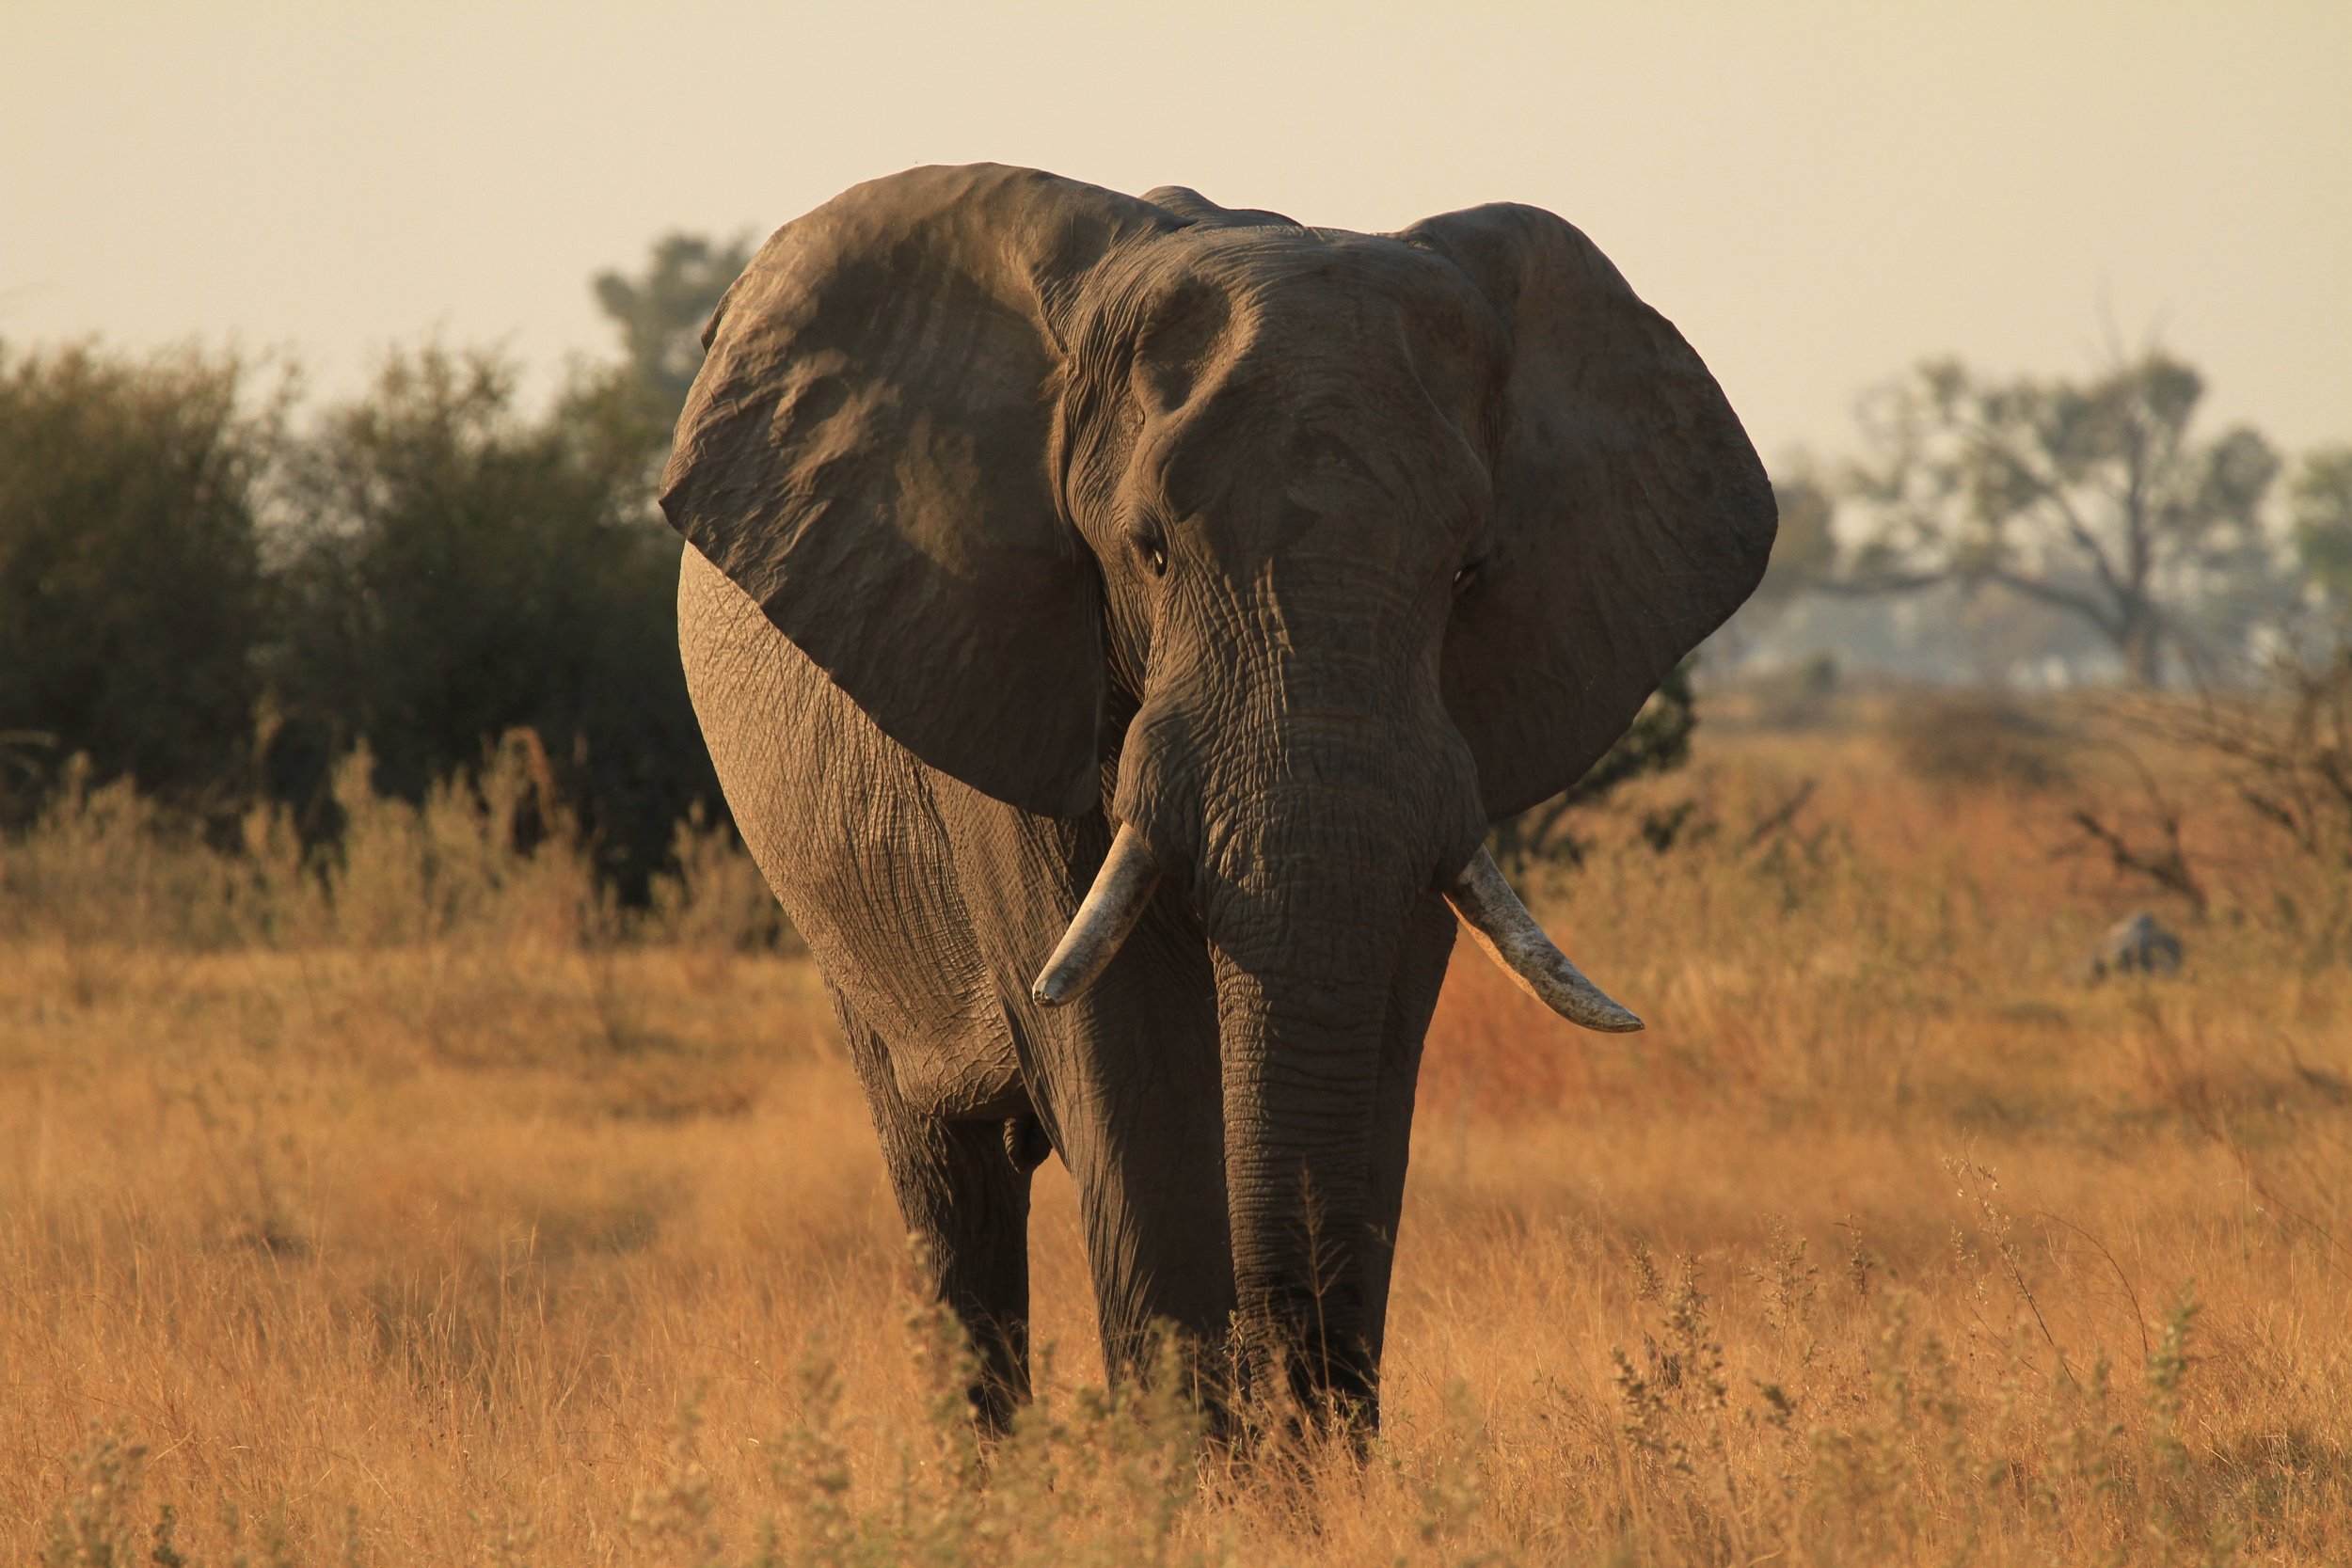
{"x": 1630, "y": 519}
{"x": 870, "y": 453}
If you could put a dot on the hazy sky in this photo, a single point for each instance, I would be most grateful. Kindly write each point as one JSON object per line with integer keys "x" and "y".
{"x": 1818, "y": 194}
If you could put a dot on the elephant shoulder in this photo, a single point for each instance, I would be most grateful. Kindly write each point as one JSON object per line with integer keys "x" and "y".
{"x": 845, "y": 827}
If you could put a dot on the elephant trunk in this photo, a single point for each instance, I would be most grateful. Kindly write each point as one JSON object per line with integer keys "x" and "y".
{"x": 1306, "y": 908}
{"x": 1304, "y": 791}
{"x": 1300, "y": 1090}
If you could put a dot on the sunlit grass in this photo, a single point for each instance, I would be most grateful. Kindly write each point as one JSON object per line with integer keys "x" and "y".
{"x": 437, "y": 1212}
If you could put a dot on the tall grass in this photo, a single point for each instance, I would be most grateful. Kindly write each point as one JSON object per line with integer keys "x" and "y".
{"x": 418, "y": 1206}
{"x": 491, "y": 854}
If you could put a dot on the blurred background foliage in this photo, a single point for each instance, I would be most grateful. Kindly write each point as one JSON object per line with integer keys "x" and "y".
{"x": 217, "y": 602}
{"x": 132, "y": 590}
{"x": 453, "y": 571}
{"x": 218, "y": 595}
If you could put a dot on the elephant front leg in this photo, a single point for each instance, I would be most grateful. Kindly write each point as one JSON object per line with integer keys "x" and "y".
{"x": 1127, "y": 1084}
{"x": 967, "y": 1200}
{"x": 962, "y": 1188}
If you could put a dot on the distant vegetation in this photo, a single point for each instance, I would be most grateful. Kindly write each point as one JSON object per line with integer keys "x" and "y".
{"x": 219, "y": 595}
{"x": 218, "y": 598}
{"x": 2053, "y": 531}
{"x": 132, "y": 597}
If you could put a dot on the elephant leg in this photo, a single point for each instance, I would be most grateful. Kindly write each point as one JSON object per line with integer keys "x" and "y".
{"x": 1412, "y": 998}
{"x": 962, "y": 1187}
{"x": 1126, "y": 1079}
{"x": 1152, "y": 1204}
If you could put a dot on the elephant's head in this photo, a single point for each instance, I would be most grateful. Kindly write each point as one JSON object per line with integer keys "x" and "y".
{"x": 1343, "y": 547}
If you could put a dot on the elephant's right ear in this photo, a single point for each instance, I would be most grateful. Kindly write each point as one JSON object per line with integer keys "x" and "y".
{"x": 869, "y": 452}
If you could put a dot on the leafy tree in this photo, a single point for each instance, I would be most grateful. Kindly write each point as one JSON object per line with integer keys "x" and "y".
{"x": 628, "y": 410}
{"x": 456, "y": 571}
{"x": 131, "y": 588}
{"x": 2096, "y": 500}
{"x": 2322, "y": 497}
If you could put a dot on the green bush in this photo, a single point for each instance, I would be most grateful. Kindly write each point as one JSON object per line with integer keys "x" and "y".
{"x": 455, "y": 570}
{"x": 421, "y": 570}
{"x": 131, "y": 585}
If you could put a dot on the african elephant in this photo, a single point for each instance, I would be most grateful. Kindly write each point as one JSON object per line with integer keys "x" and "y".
{"x": 1116, "y": 623}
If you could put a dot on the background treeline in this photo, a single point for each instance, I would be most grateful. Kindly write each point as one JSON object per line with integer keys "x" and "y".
{"x": 2053, "y": 531}
{"x": 220, "y": 596}
{"x": 219, "y": 600}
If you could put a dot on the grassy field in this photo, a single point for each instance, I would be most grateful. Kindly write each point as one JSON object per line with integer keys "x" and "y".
{"x": 454, "y": 1218}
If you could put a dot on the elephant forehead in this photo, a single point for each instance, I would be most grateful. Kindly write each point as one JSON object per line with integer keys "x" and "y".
{"x": 1308, "y": 294}
{"x": 1270, "y": 255}
{"x": 1350, "y": 436}
{"x": 1350, "y": 352}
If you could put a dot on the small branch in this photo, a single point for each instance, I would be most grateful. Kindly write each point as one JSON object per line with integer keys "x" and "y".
{"x": 1892, "y": 583}
{"x": 2052, "y": 491}
{"x": 1780, "y": 816}
{"x": 2168, "y": 867}
{"x": 2033, "y": 588}
{"x": 2140, "y": 1315}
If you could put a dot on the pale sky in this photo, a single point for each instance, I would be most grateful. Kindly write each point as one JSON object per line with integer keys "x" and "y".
{"x": 1818, "y": 194}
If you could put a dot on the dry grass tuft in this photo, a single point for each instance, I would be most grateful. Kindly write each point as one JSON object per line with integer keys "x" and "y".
{"x": 422, "y": 1209}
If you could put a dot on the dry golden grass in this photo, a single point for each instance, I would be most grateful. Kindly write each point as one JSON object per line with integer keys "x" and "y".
{"x": 409, "y": 1226}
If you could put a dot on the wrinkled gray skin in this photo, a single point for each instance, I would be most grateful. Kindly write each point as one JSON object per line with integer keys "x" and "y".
{"x": 1020, "y": 509}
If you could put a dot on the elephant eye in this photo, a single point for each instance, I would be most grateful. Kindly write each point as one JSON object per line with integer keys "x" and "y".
{"x": 1468, "y": 574}
{"x": 1154, "y": 556}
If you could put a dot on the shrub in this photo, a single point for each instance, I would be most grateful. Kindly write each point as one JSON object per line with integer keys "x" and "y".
{"x": 1980, "y": 738}
{"x": 131, "y": 588}
{"x": 456, "y": 571}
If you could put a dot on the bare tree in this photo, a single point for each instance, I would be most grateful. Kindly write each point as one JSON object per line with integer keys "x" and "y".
{"x": 2095, "y": 499}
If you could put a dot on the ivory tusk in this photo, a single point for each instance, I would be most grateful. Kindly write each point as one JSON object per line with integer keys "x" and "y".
{"x": 1509, "y": 934}
{"x": 1122, "y": 889}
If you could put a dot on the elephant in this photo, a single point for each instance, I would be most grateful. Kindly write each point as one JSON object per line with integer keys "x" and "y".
{"x": 1116, "y": 623}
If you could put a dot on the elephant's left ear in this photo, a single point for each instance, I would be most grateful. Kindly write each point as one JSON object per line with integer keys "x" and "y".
{"x": 1631, "y": 515}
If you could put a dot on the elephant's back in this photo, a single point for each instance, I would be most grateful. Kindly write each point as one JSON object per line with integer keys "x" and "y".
{"x": 842, "y": 823}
